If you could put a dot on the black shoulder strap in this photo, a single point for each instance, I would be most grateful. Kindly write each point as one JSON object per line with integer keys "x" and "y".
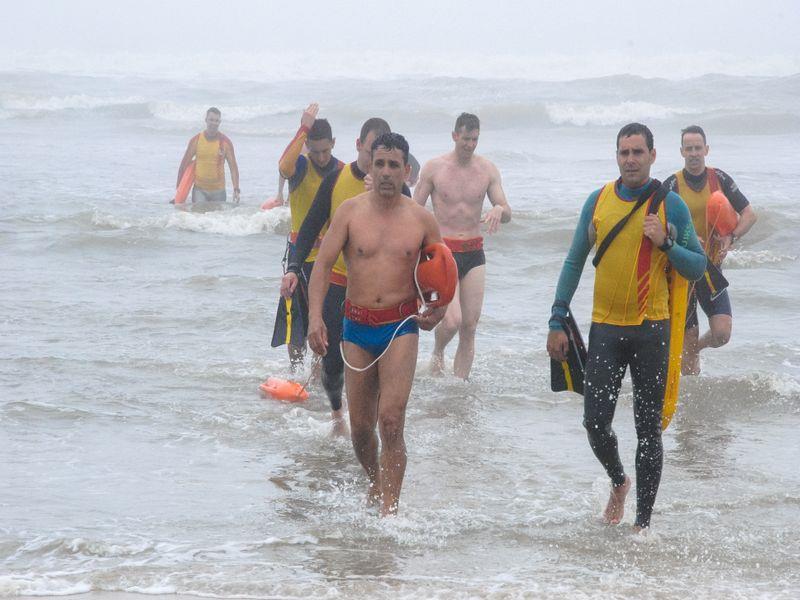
{"x": 654, "y": 184}
{"x": 660, "y": 195}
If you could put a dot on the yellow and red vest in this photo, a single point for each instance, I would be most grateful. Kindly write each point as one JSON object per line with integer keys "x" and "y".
{"x": 630, "y": 283}
{"x": 210, "y": 162}
{"x": 347, "y": 185}
{"x": 300, "y": 200}
{"x": 697, "y": 203}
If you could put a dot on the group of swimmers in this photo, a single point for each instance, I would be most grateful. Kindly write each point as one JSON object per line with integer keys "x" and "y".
{"x": 355, "y": 242}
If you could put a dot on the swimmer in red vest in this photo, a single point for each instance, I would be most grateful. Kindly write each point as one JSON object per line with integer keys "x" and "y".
{"x": 457, "y": 183}
{"x": 695, "y": 183}
{"x": 380, "y": 233}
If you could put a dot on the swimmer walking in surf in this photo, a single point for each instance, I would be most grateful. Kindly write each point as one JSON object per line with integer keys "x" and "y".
{"x": 380, "y": 234}
{"x": 457, "y": 183}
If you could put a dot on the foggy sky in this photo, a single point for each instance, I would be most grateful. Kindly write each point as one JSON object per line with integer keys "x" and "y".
{"x": 568, "y": 27}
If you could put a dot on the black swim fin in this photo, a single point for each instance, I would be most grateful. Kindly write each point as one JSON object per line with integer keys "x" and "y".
{"x": 291, "y": 326}
{"x": 568, "y": 375}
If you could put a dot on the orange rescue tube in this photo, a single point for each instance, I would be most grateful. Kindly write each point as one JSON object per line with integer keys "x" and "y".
{"x": 720, "y": 215}
{"x": 437, "y": 275}
{"x": 185, "y": 186}
{"x": 283, "y": 389}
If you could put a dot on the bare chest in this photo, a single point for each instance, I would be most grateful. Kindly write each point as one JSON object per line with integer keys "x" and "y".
{"x": 392, "y": 240}
{"x": 453, "y": 185}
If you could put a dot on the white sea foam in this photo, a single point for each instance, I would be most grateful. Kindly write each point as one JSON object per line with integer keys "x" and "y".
{"x": 237, "y": 222}
{"x": 41, "y": 585}
{"x": 752, "y": 258}
{"x": 174, "y": 111}
{"x": 611, "y": 114}
{"x": 25, "y": 103}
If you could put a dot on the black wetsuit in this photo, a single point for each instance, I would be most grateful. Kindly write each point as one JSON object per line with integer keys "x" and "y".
{"x": 612, "y": 348}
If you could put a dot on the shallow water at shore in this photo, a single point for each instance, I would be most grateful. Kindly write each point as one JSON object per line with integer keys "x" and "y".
{"x": 138, "y": 458}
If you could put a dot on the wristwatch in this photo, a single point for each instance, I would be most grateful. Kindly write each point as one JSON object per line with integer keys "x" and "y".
{"x": 667, "y": 245}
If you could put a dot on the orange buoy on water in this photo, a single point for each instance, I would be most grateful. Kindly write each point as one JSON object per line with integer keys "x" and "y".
{"x": 720, "y": 215}
{"x": 283, "y": 389}
{"x": 185, "y": 186}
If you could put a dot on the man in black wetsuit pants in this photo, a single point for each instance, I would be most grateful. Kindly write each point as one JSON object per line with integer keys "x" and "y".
{"x": 630, "y": 313}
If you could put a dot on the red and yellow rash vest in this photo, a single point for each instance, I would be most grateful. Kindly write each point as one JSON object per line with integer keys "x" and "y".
{"x": 628, "y": 291}
{"x": 697, "y": 201}
{"x": 304, "y": 179}
{"x": 210, "y": 162}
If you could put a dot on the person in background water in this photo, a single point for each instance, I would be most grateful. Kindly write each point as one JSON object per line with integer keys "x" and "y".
{"x": 380, "y": 233}
{"x": 457, "y": 183}
{"x": 695, "y": 183}
{"x": 630, "y": 315}
{"x": 211, "y": 149}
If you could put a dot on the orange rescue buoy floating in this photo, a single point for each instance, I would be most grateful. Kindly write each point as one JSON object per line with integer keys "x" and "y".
{"x": 720, "y": 215}
{"x": 185, "y": 186}
{"x": 283, "y": 389}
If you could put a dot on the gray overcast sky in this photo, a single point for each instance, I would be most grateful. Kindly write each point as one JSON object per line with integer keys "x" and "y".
{"x": 749, "y": 28}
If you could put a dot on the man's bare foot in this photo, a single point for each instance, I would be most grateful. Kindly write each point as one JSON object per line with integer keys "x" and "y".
{"x": 437, "y": 364}
{"x": 640, "y": 530}
{"x": 615, "y": 508}
{"x": 373, "y": 495}
{"x": 339, "y": 423}
{"x": 339, "y": 427}
{"x": 389, "y": 510}
{"x": 690, "y": 364}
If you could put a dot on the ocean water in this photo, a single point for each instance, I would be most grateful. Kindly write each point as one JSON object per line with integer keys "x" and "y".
{"x": 137, "y": 456}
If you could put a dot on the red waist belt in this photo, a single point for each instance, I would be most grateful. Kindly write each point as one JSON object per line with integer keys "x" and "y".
{"x": 293, "y": 239}
{"x": 379, "y": 316}
{"x": 459, "y": 245}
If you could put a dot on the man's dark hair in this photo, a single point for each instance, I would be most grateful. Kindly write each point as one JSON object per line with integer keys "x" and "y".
{"x": 320, "y": 130}
{"x": 215, "y": 110}
{"x": 636, "y": 129}
{"x": 468, "y": 121}
{"x": 391, "y": 141}
{"x": 693, "y": 129}
{"x": 376, "y": 124}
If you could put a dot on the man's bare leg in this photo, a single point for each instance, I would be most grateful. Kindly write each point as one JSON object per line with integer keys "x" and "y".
{"x": 471, "y": 299}
{"x": 690, "y": 361}
{"x": 719, "y": 332}
{"x": 339, "y": 423}
{"x": 444, "y": 332}
{"x": 396, "y": 375}
{"x": 615, "y": 509}
{"x": 362, "y": 399}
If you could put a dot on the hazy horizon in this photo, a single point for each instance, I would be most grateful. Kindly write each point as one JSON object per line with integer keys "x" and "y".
{"x": 750, "y": 37}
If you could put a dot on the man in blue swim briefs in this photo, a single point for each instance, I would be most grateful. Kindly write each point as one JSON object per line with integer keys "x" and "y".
{"x": 380, "y": 233}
